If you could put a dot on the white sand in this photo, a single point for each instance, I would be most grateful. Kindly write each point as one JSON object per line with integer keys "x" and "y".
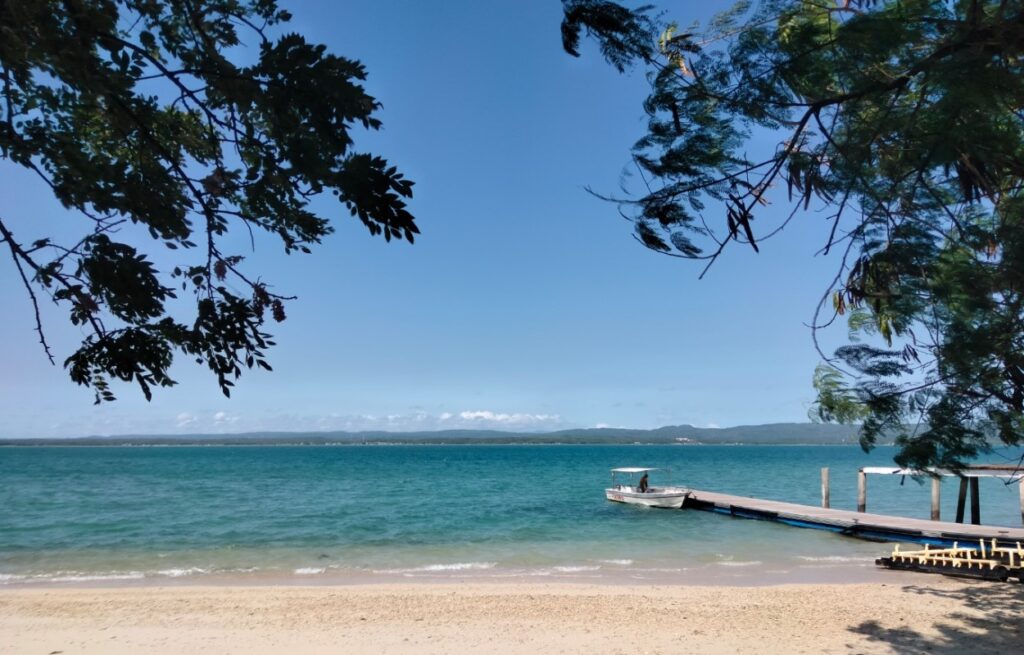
{"x": 933, "y": 615}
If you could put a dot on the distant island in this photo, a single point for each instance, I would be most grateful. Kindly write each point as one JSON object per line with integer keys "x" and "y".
{"x": 770, "y": 434}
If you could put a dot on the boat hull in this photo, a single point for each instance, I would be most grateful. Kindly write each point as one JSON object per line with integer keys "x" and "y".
{"x": 667, "y": 498}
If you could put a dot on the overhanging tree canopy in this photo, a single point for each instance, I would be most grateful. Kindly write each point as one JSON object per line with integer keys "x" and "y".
{"x": 896, "y": 123}
{"x": 133, "y": 111}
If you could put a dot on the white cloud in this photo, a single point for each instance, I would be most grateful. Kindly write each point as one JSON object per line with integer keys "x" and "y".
{"x": 517, "y": 420}
{"x": 185, "y": 419}
{"x": 224, "y": 420}
{"x": 602, "y": 425}
{"x": 714, "y": 426}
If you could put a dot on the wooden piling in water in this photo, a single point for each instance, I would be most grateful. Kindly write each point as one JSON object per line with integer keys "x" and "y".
{"x": 825, "y": 491}
{"x": 975, "y": 503}
{"x": 961, "y": 500}
{"x": 862, "y": 491}
{"x": 968, "y": 481}
{"x": 1020, "y": 485}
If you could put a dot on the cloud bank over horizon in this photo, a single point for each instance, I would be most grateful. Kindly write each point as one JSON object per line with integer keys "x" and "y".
{"x": 223, "y": 422}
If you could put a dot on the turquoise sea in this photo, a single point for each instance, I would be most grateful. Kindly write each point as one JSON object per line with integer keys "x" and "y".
{"x": 378, "y": 513}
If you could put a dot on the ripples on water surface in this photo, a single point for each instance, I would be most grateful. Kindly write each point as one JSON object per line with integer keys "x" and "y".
{"x": 382, "y": 512}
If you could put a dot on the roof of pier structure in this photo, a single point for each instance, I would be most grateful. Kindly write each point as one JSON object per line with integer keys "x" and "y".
{"x": 1011, "y": 472}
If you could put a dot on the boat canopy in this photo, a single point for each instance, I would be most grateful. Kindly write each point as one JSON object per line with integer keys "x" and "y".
{"x": 633, "y": 470}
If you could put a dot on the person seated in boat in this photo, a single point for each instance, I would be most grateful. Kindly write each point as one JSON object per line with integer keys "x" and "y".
{"x": 642, "y": 487}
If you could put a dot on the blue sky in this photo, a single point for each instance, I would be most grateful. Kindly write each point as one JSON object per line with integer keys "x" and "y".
{"x": 525, "y": 305}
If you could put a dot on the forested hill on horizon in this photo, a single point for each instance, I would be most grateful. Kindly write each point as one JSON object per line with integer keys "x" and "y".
{"x": 773, "y": 433}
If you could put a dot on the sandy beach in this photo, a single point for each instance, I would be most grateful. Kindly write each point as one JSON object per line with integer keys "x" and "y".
{"x": 931, "y": 615}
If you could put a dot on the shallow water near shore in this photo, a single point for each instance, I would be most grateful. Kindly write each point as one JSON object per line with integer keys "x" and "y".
{"x": 315, "y": 514}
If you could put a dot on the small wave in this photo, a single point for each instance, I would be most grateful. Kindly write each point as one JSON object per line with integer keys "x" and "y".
{"x": 90, "y": 577}
{"x": 753, "y": 563}
{"x": 833, "y": 558}
{"x": 617, "y": 562}
{"x": 461, "y": 566}
{"x": 309, "y": 571}
{"x": 434, "y": 568}
{"x": 575, "y": 569}
{"x": 177, "y": 573}
{"x": 65, "y": 576}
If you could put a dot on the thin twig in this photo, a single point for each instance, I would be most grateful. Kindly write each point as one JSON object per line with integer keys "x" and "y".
{"x": 16, "y": 255}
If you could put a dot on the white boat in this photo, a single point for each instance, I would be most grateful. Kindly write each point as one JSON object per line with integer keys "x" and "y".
{"x": 652, "y": 496}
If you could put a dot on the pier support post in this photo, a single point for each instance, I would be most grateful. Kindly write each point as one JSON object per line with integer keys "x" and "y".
{"x": 1020, "y": 485}
{"x": 975, "y": 503}
{"x": 961, "y": 501}
{"x": 936, "y": 498}
{"x": 825, "y": 490}
{"x": 862, "y": 491}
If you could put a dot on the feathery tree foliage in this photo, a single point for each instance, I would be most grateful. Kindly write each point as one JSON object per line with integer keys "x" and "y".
{"x": 898, "y": 126}
{"x": 141, "y": 112}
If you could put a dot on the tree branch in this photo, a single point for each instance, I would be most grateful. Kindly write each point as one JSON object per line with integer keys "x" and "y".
{"x": 17, "y": 253}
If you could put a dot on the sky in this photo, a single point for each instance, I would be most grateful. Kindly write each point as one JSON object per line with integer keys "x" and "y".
{"x": 524, "y": 305}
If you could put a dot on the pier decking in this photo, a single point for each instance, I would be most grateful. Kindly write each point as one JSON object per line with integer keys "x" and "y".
{"x": 855, "y": 524}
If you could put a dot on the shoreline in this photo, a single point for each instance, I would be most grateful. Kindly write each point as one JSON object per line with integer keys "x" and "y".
{"x": 928, "y": 613}
{"x": 720, "y": 574}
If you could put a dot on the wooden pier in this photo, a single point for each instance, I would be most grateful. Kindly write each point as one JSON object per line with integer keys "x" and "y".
{"x": 876, "y": 527}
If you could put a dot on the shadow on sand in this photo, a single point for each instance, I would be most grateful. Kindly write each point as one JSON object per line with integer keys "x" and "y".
{"x": 992, "y": 621}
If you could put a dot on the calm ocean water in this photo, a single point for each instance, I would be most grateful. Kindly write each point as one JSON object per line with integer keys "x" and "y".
{"x": 365, "y": 513}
